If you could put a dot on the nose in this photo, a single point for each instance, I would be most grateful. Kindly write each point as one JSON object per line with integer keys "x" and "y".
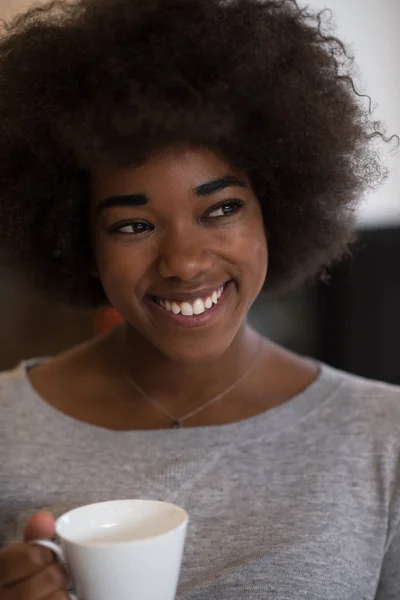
{"x": 184, "y": 255}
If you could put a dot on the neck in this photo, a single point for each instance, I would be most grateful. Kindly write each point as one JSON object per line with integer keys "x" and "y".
{"x": 181, "y": 386}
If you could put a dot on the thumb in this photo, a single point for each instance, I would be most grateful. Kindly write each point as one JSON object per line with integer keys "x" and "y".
{"x": 40, "y": 526}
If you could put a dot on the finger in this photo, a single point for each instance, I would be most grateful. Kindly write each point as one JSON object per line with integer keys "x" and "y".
{"x": 21, "y": 561}
{"x": 47, "y": 582}
{"x": 40, "y": 526}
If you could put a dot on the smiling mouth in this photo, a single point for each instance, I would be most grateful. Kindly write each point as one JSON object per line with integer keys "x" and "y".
{"x": 196, "y": 306}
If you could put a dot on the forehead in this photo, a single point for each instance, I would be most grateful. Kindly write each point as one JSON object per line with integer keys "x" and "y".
{"x": 174, "y": 170}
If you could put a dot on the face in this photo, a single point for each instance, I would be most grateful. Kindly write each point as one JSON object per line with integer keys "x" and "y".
{"x": 180, "y": 249}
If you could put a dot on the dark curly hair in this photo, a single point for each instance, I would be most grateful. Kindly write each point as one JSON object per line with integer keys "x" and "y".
{"x": 112, "y": 80}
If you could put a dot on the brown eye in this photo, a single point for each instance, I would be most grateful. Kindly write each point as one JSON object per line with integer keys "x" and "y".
{"x": 225, "y": 209}
{"x": 130, "y": 227}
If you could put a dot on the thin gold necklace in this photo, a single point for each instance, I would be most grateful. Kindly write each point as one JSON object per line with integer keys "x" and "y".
{"x": 176, "y": 422}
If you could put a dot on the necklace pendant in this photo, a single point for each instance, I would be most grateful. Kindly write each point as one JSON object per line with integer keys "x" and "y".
{"x": 176, "y": 424}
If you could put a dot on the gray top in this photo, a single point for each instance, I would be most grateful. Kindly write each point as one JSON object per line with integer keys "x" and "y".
{"x": 302, "y": 501}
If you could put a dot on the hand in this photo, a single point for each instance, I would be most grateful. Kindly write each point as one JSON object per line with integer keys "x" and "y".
{"x": 29, "y": 571}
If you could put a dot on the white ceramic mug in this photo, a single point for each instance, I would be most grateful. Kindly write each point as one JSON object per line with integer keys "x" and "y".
{"x": 123, "y": 549}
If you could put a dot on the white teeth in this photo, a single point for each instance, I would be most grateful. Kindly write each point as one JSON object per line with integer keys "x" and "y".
{"x": 186, "y": 309}
{"x": 197, "y": 307}
{"x": 175, "y": 308}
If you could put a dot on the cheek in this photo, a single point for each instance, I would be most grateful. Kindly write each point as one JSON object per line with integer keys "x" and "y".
{"x": 252, "y": 252}
{"x": 118, "y": 267}
{"x": 258, "y": 264}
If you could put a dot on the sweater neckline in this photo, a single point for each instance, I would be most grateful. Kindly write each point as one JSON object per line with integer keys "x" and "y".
{"x": 268, "y": 423}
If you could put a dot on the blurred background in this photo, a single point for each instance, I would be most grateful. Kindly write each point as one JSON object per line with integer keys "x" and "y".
{"x": 352, "y": 322}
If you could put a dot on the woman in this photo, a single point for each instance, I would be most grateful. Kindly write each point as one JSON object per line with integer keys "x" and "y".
{"x": 170, "y": 158}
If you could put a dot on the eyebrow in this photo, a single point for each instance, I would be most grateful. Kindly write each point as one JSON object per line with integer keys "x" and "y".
{"x": 217, "y": 185}
{"x": 126, "y": 200}
{"x": 205, "y": 189}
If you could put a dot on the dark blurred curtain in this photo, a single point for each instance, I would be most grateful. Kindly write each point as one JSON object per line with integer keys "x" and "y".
{"x": 358, "y": 313}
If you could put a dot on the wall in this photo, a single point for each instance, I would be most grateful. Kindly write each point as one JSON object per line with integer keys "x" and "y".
{"x": 9, "y": 7}
{"x": 371, "y": 28}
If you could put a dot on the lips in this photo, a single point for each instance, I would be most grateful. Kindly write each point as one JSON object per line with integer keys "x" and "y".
{"x": 188, "y": 296}
{"x": 196, "y": 306}
{"x": 162, "y": 308}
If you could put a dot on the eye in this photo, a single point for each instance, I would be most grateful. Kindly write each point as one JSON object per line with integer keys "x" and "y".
{"x": 225, "y": 209}
{"x": 130, "y": 227}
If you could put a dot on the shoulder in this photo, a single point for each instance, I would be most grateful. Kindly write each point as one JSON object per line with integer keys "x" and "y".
{"x": 363, "y": 406}
{"x": 43, "y": 376}
{"x": 18, "y": 400}
{"x": 366, "y": 393}
{"x": 373, "y": 417}
{"x": 359, "y": 420}
{"x": 14, "y": 381}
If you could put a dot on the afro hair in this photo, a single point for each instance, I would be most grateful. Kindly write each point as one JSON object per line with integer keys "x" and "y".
{"x": 93, "y": 81}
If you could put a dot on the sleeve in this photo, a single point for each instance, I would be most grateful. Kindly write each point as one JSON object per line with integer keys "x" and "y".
{"x": 389, "y": 581}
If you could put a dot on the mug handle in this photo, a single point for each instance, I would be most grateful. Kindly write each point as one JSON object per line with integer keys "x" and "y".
{"x": 59, "y": 554}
